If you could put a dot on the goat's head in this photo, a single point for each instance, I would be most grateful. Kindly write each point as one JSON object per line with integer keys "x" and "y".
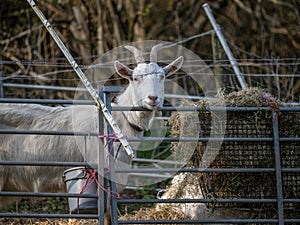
{"x": 147, "y": 79}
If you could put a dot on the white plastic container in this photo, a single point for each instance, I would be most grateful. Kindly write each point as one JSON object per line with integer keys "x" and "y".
{"x": 76, "y": 181}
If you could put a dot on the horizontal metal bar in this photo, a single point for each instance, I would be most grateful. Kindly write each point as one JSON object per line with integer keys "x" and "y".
{"x": 195, "y": 170}
{"x": 47, "y": 132}
{"x": 206, "y": 170}
{"x": 203, "y": 221}
{"x": 148, "y": 139}
{"x": 63, "y": 88}
{"x": 166, "y": 95}
{"x": 211, "y": 108}
{"x": 44, "y": 87}
{"x": 147, "y": 170}
{"x": 46, "y": 215}
{"x": 202, "y": 139}
{"x": 144, "y": 201}
{"x": 290, "y": 170}
{"x": 208, "y": 221}
{"x": 218, "y": 200}
{"x": 289, "y": 139}
{"x": 133, "y": 139}
{"x": 111, "y": 89}
{"x": 49, "y": 163}
{"x": 164, "y": 108}
{"x": 46, "y": 194}
{"x": 46, "y": 101}
{"x": 95, "y": 216}
{"x": 44, "y": 163}
{"x": 161, "y": 161}
{"x": 133, "y": 201}
{"x": 147, "y": 175}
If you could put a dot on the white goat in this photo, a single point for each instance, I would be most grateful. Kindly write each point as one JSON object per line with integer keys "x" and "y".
{"x": 146, "y": 89}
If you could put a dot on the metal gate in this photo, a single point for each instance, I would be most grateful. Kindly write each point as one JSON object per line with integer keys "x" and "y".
{"x": 285, "y": 148}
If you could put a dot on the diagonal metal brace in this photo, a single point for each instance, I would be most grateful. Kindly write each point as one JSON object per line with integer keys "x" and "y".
{"x": 224, "y": 44}
{"x": 100, "y": 104}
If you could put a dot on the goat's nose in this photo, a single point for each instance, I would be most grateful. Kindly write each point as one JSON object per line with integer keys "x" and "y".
{"x": 152, "y": 98}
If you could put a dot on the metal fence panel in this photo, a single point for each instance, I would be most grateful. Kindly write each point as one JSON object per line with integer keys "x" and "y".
{"x": 277, "y": 160}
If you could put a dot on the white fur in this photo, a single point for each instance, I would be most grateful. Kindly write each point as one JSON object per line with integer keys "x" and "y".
{"x": 146, "y": 88}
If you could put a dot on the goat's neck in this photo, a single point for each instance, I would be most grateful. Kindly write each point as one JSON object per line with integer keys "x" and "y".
{"x": 142, "y": 119}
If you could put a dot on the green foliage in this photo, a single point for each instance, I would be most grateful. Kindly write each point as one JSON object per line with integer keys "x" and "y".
{"x": 22, "y": 206}
{"x": 56, "y": 205}
{"x": 147, "y": 9}
{"x": 51, "y": 204}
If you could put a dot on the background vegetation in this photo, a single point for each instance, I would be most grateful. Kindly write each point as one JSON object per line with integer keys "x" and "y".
{"x": 264, "y": 36}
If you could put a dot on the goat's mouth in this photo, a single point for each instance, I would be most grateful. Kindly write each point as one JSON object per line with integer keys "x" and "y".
{"x": 147, "y": 104}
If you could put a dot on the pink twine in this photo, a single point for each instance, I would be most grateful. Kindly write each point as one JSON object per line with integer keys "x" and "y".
{"x": 273, "y": 105}
{"x": 112, "y": 138}
{"x": 91, "y": 174}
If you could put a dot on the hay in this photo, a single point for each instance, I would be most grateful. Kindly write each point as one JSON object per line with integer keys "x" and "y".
{"x": 184, "y": 150}
{"x": 244, "y": 154}
{"x": 165, "y": 213}
{"x": 250, "y": 97}
{"x": 181, "y": 189}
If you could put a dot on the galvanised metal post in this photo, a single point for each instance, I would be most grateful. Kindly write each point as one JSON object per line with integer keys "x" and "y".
{"x": 102, "y": 196}
{"x": 224, "y": 44}
{"x": 278, "y": 169}
{"x": 112, "y": 177}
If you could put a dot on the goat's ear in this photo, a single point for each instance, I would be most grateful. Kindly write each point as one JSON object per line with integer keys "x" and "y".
{"x": 123, "y": 70}
{"x": 174, "y": 66}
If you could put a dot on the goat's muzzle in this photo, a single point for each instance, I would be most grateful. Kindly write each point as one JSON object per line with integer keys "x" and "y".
{"x": 152, "y": 102}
